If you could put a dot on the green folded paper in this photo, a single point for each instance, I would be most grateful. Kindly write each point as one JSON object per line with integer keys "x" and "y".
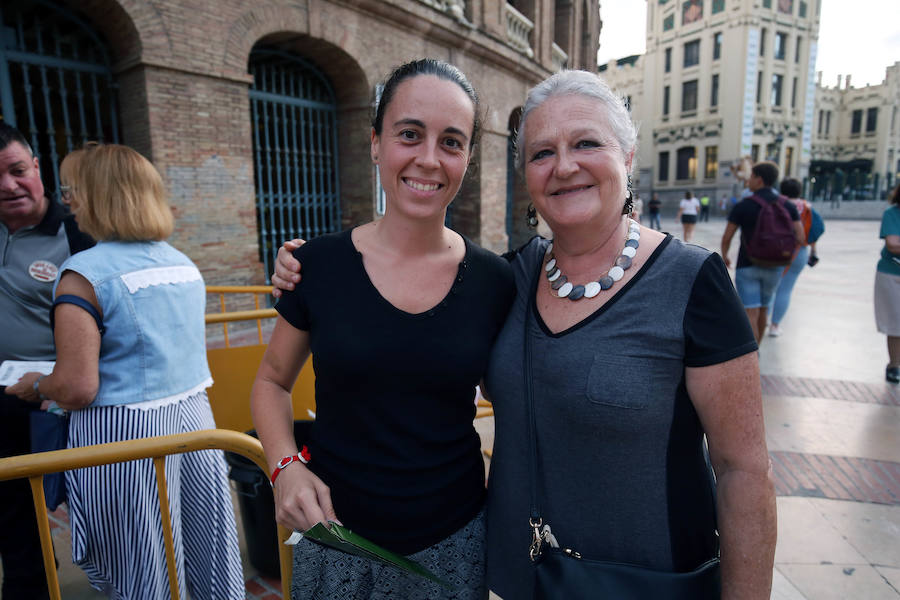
{"x": 340, "y": 538}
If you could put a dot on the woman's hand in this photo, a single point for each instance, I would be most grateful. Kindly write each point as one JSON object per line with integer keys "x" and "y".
{"x": 287, "y": 268}
{"x": 302, "y": 499}
{"x": 24, "y": 388}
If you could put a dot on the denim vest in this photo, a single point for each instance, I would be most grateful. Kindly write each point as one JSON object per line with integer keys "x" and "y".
{"x": 153, "y": 299}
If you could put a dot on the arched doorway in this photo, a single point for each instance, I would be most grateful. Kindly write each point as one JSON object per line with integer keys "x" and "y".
{"x": 293, "y": 114}
{"x": 517, "y": 230}
{"x": 56, "y": 83}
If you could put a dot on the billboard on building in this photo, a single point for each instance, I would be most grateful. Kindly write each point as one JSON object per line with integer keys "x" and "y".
{"x": 691, "y": 11}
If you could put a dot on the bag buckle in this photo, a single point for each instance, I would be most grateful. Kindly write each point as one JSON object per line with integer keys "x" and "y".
{"x": 535, "y": 549}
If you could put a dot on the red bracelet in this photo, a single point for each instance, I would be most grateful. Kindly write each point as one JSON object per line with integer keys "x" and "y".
{"x": 284, "y": 462}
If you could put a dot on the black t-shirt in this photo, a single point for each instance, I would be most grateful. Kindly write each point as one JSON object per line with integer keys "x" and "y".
{"x": 654, "y": 206}
{"x": 744, "y": 215}
{"x": 393, "y": 435}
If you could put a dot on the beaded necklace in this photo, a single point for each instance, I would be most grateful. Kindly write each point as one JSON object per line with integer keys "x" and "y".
{"x": 563, "y": 288}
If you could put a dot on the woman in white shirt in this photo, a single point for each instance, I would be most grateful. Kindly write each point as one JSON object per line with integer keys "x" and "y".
{"x": 687, "y": 212}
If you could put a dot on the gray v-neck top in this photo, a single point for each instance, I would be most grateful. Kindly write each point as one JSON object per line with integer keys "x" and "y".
{"x": 622, "y": 469}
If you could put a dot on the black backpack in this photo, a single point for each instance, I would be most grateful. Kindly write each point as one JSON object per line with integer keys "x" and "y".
{"x": 772, "y": 243}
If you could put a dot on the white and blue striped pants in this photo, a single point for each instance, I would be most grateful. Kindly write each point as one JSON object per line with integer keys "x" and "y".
{"x": 114, "y": 511}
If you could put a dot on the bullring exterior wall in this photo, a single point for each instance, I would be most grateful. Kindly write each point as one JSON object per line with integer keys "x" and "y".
{"x": 181, "y": 70}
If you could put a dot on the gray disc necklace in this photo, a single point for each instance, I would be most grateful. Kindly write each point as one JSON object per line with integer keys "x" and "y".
{"x": 563, "y": 288}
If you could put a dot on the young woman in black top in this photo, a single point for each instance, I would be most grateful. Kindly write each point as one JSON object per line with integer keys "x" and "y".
{"x": 400, "y": 315}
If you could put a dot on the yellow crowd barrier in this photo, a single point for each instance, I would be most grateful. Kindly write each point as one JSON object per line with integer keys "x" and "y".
{"x": 233, "y": 368}
{"x": 35, "y": 466}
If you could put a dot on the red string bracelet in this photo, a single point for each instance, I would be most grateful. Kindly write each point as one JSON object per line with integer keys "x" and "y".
{"x": 284, "y": 462}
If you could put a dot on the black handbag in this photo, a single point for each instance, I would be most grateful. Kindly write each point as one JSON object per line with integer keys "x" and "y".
{"x": 564, "y": 574}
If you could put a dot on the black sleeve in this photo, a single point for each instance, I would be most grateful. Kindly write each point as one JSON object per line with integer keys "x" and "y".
{"x": 737, "y": 213}
{"x": 292, "y": 305}
{"x": 792, "y": 210}
{"x": 509, "y": 256}
{"x": 716, "y": 328}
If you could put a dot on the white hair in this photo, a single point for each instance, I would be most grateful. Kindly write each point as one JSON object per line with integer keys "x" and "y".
{"x": 589, "y": 85}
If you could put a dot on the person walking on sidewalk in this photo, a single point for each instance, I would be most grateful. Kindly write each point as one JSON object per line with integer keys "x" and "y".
{"x": 805, "y": 254}
{"x": 688, "y": 209}
{"x": 754, "y": 279}
{"x": 887, "y": 286}
{"x": 704, "y": 208}
{"x": 654, "y": 206}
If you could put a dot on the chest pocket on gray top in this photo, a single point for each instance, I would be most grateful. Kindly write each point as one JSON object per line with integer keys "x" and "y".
{"x": 628, "y": 382}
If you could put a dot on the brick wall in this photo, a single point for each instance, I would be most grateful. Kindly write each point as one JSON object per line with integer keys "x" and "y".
{"x": 183, "y": 93}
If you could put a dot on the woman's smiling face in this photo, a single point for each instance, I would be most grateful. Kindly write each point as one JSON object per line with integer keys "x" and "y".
{"x": 575, "y": 168}
{"x": 423, "y": 150}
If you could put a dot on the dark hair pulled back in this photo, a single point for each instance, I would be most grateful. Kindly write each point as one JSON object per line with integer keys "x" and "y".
{"x": 426, "y": 66}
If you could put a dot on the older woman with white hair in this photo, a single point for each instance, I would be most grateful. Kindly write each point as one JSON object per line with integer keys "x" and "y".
{"x": 637, "y": 355}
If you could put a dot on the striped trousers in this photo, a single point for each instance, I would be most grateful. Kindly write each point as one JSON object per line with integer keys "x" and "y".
{"x": 117, "y": 536}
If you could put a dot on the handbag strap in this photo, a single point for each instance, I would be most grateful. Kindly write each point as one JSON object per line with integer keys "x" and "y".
{"x": 535, "y": 521}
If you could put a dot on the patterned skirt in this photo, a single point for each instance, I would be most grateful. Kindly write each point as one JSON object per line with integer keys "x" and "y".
{"x": 322, "y": 573}
{"x": 114, "y": 511}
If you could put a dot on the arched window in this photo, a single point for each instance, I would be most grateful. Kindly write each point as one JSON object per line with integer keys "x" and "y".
{"x": 294, "y": 118}
{"x": 56, "y": 85}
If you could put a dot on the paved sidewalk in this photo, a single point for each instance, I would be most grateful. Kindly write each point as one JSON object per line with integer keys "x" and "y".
{"x": 833, "y": 426}
{"x": 833, "y": 429}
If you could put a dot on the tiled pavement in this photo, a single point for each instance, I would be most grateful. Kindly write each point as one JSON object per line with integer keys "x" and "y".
{"x": 833, "y": 429}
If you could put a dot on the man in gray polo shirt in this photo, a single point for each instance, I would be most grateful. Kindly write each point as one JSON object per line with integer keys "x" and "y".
{"x": 36, "y": 236}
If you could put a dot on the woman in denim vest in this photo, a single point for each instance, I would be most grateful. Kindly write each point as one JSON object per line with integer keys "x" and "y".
{"x": 131, "y": 363}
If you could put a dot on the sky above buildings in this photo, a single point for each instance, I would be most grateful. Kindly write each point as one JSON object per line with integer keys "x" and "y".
{"x": 861, "y": 38}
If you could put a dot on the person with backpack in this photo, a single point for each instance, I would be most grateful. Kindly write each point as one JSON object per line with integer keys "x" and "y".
{"x": 813, "y": 227}
{"x": 770, "y": 232}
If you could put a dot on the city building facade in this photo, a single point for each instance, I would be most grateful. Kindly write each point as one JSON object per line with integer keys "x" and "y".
{"x": 856, "y": 138}
{"x": 258, "y": 114}
{"x": 721, "y": 79}
{"x": 727, "y": 79}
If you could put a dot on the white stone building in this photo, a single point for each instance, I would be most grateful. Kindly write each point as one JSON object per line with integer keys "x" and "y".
{"x": 721, "y": 79}
{"x": 856, "y": 138}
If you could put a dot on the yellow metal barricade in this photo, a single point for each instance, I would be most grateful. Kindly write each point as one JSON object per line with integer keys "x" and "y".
{"x": 225, "y": 317}
{"x": 234, "y": 368}
{"x": 35, "y": 466}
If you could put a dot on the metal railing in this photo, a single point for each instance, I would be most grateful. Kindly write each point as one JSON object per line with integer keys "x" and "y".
{"x": 35, "y": 466}
{"x": 559, "y": 57}
{"x": 518, "y": 31}
{"x": 225, "y": 317}
{"x": 455, "y": 8}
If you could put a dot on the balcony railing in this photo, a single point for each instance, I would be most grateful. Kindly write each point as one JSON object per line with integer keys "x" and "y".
{"x": 518, "y": 31}
{"x": 560, "y": 58}
{"x": 455, "y": 8}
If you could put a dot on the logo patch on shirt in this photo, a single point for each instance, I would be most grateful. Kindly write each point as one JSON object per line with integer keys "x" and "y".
{"x": 43, "y": 270}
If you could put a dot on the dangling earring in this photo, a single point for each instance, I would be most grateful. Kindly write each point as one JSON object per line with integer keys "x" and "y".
{"x": 531, "y": 216}
{"x": 629, "y": 199}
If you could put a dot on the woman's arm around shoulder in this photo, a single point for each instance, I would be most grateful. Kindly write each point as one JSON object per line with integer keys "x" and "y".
{"x": 728, "y": 400}
{"x": 301, "y": 498}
